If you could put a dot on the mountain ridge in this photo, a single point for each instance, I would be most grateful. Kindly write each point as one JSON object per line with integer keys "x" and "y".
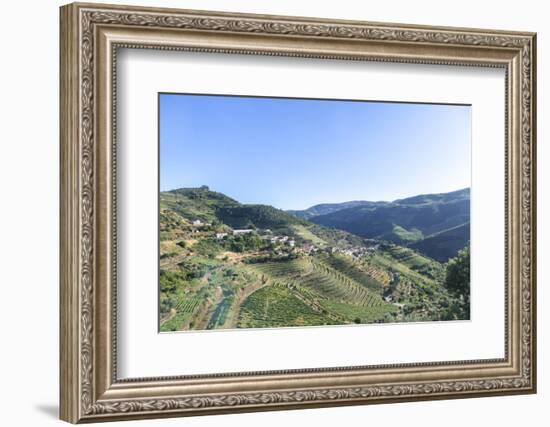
{"x": 407, "y": 221}
{"x": 329, "y": 207}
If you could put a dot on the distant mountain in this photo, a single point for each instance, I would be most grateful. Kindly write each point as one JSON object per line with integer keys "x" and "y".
{"x": 444, "y": 245}
{"x": 409, "y": 221}
{"x": 326, "y": 208}
{"x": 463, "y": 194}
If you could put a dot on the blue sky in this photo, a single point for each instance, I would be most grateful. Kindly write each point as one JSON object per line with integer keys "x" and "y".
{"x": 295, "y": 153}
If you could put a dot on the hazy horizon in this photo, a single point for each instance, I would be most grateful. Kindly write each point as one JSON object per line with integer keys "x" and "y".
{"x": 296, "y": 153}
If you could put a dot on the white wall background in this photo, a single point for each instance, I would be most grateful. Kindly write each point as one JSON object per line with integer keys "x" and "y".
{"x": 29, "y": 170}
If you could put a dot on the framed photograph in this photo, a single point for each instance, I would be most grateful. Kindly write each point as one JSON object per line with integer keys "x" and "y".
{"x": 265, "y": 212}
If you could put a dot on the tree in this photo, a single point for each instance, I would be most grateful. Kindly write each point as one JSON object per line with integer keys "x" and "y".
{"x": 457, "y": 278}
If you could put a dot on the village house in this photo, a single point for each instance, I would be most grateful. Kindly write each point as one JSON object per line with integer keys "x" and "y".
{"x": 242, "y": 231}
{"x": 220, "y": 236}
{"x": 197, "y": 222}
{"x": 307, "y": 249}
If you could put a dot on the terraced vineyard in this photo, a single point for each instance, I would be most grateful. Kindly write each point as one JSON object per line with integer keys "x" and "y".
{"x": 381, "y": 276}
{"x": 226, "y": 265}
{"x": 329, "y": 290}
{"x": 321, "y": 279}
{"x": 184, "y": 311}
{"x": 276, "y": 306}
{"x": 374, "y": 282}
{"x": 188, "y": 305}
{"x": 408, "y": 257}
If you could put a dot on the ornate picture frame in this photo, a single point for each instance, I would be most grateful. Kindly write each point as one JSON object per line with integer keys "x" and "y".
{"x": 90, "y": 37}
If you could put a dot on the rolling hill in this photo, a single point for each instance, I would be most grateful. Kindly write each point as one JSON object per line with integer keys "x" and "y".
{"x": 327, "y": 208}
{"x": 208, "y": 206}
{"x": 195, "y": 203}
{"x": 203, "y": 204}
{"x": 444, "y": 245}
{"x": 434, "y": 224}
{"x": 259, "y": 216}
{"x": 224, "y": 264}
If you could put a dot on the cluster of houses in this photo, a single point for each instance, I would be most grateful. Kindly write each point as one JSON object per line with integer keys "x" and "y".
{"x": 285, "y": 240}
{"x": 198, "y": 225}
{"x": 266, "y": 234}
{"x": 310, "y": 249}
{"x": 355, "y": 252}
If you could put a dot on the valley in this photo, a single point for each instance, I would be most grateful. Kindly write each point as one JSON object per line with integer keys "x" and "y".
{"x": 226, "y": 265}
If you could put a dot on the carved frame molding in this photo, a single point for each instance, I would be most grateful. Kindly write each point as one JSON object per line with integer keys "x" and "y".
{"x": 90, "y": 36}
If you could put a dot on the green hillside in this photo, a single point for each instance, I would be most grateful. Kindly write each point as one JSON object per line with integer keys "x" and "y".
{"x": 195, "y": 203}
{"x": 409, "y": 221}
{"x": 179, "y": 208}
{"x": 224, "y": 264}
{"x": 445, "y": 244}
{"x": 259, "y": 216}
{"x": 452, "y": 196}
{"x": 326, "y": 208}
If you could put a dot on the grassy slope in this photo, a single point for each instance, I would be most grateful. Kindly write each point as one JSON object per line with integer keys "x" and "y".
{"x": 307, "y": 234}
{"x": 194, "y": 203}
{"x": 443, "y": 245}
{"x": 260, "y": 216}
{"x": 401, "y": 234}
{"x": 406, "y": 262}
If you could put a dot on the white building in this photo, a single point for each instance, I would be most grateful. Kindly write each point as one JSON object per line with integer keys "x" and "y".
{"x": 243, "y": 231}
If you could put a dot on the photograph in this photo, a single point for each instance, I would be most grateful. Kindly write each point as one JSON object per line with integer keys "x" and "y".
{"x": 290, "y": 212}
